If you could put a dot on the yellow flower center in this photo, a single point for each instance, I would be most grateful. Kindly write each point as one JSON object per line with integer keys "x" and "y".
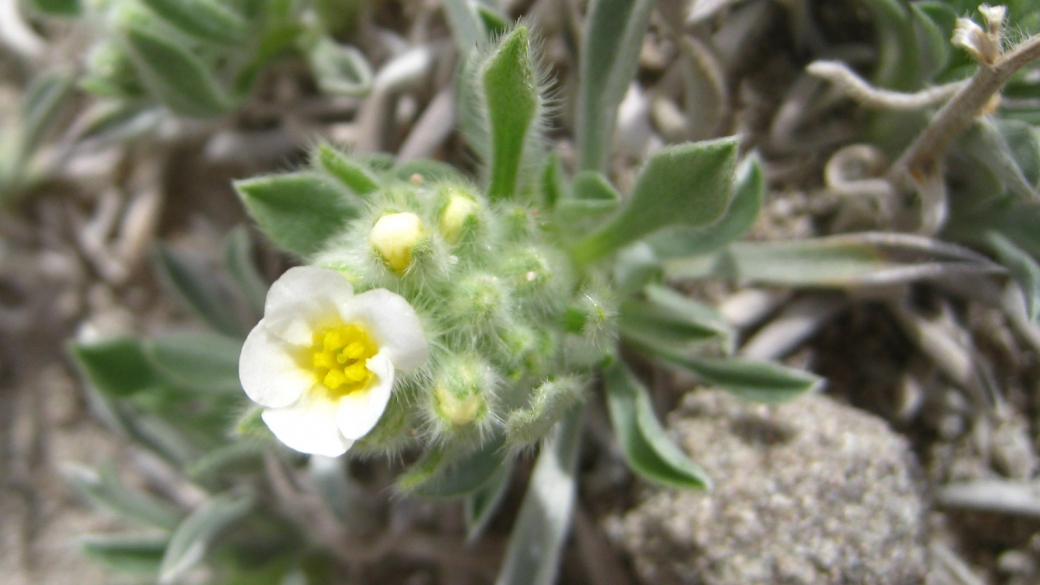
{"x": 338, "y": 356}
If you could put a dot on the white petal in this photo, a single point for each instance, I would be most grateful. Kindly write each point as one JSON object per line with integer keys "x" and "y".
{"x": 301, "y": 299}
{"x": 269, "y": 375}
{"x": 393, "y": 322}
{"x": 308, "y": 426}
{"x": 360, "y": 411}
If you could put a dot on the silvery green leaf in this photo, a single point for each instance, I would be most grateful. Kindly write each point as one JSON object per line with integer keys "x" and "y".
{"x": 329, "y": 476}
{"x": 117, "y": 367}
{"x": 664, "y": 316}
{"x": 198, "y": 288}
{"x": 836, "y": 261}
{"x": 111, "y": 73}
{"x": 298, "y": 211}
{"x": 540, "y": 531}
{"x": 749, "y": 379}
{"x": 1023, "y": 141}
{"x": 555, "y": 186}
{"x": 56, "y": 7}
{"x": 688, "y": 184}
{"x": 193, "y": 537}
{"x": 238, "y": 261}
{"x": 467, "y": 27}
{"x": 480, "y": 506}
{"x": 242, "y": 456}
{"x": 439, "y": 475}
{"x": 636, "y": 266}
{"x": 985, "y": 143}
{"x": 126, "y": 552}
{"x": 592, "y": 199}
{"x": 612, "y": 38}
{"x": 200, "y": 361}
{"x": 511, "y": 95}
{"x": 1023, "y": 268}
{"x": 207, "y": 20}
{"x": 933, "y": 43}
{"x": 645, "y": 444}
{"x": 352, "y": 173}
{"x": 40, "y": 106}
{"x": 897, "y": 66}
{"x": 158, "y": 435}
{"x": 113, "y": 121}
{"x": 170, "y": 71}
{"x": 742, "y": 213}
{"x": 340, "y": 69}
{"x": 103, "y": 489}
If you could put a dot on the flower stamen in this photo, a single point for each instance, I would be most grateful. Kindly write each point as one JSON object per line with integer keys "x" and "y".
{"x": 338, "y": 356}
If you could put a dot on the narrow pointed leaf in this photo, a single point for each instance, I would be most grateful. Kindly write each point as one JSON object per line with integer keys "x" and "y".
{"x": 206, "y": 20}
{"x": 104, "y": 490}
{"x": 238, "y": 261}
{"x": 636, "y": 266}
{"x": 126, "y": 553}
{"x": 592, "y": 199}
{"x": 172, "y": 74}
{"x": 352, "y": 173}
{"x": 467, "y": 27}
{"x": 612, "y": 38}
{"x": 749, "y": 379}
{"x": 836, "y": 261}
{"x": 459, "y": 477}
{"x": 684, "y": 241}
{"x": 480, "y": 506}
{"x": 200, "y": 361}
{"x": 340, "y": 69}
{"x": 199, "y": 290}
{"x": 687, "y": 184}
{"x": 555, "y": 186}
{"x": 511, "y": 93}
{"x": 40, "y": 106}
{"x": 1023, "y": 268}
{"x": 536, "y": 542}
{"x": 56, "y": 7}
{"x": 117, "y": 367}
{"x": 298, "y": 211}
{"x": 664, "y": 316}
{"x": 193, "y": 537}
{"x": 645, "y": 444}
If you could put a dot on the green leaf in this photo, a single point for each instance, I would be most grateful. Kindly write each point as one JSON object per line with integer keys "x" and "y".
{"x": 467, "y": 27}
{"x": 40, "y": 106}
{"x": 687, "y": 184}
{"x": 669, "y": 318}
{"x": 480, "y": 506}
{"x": 450, "y": 478}
{"x": 985, "y": 143}
{"x": 741, "y": 215}
{"x": 511, "y": 93}
{"x": 56, "y": 7}
{"x": 126, "y": 552}
{"x": 636, "y": 266}
{"x": 171, "y": 73}
{"x": 329, "y": 477}
{"x": 540, "y": 531}
{"x": 555, "y": 186}
{"x": 646, "y": 446}
{"x": 933, "y": 45}
{"x": 117, "y": 367}
{"x": 1023, "y": 142}
{"x": 897, "y": 45}
{"x": 611, "y": 41}
{"x": 749, "y": 379}
{"x": 197, "y": 287}
{"x": 238, "y": 261}
{"x": 199, "y": 361}
{"x": 196, "y": 533}
{"x": 206, "y": 20}
{"x": 244, "y": 456}
{"x": 340, "y": 69}
{"x": 353, "y": 174}
{"x": 836, "y": 261}
{"x": 592, "y": 199}
{"x": 103, "y": 489}
{"x": 1023, "y": 268}
{"x": 298, "y": 211}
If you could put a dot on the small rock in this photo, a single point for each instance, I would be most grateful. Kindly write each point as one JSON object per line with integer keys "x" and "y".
{"x": 809, "y": 492}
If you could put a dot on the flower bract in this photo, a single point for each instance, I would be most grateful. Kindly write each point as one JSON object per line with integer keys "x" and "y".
{"x": 322, "y": 360}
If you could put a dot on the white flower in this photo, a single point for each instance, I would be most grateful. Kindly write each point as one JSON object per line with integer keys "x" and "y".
{"x": 322, "y": 360}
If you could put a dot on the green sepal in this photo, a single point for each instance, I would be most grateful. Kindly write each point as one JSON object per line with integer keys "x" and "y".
{"x": 511, "y": 94}
{"x": 298, "y": 211}
{"x": 645, "y": 444}
{"x": 687, "y": 184}
{"x": 340, "y": 69}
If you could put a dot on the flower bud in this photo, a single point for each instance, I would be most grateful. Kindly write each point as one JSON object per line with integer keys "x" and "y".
{"x": 460, "y": 397}
{"x": 461, "y": 214}
{"x": 591, "y": 323}
{"x": 480, "y": 304}
{"x": 395, "y": 236}
{"x": 539, "y": 278}
{"x": 549, "y": 402}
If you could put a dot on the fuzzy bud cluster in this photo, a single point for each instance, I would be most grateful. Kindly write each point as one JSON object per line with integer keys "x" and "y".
{"x": 493, "y": 291}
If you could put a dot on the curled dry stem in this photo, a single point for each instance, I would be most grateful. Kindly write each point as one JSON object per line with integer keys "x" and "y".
{"x": 858, "y": 89}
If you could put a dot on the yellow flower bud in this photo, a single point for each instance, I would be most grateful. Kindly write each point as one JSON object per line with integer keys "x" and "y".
{"x": 394, "y": 236}
{"x": 459, "y": 209}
